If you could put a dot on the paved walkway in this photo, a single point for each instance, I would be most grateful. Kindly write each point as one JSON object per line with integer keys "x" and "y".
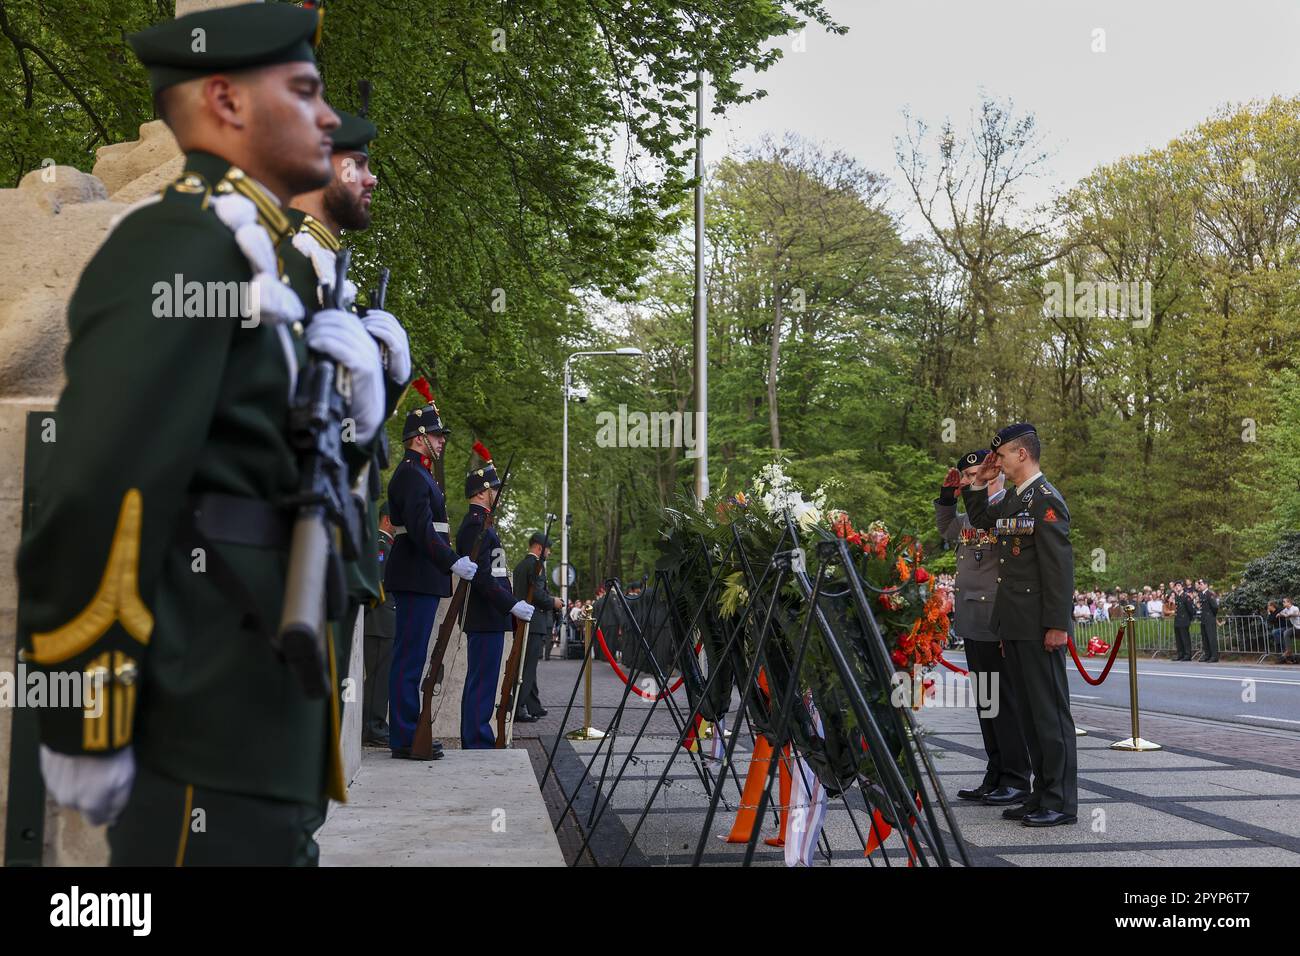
{"x": 472, "y": 808}
{"x": 1217, "y": 795}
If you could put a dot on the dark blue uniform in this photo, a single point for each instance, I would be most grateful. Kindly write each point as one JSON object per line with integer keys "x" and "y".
{"x": 421, "y": 557}
{"x": 487, "y": 618}
{"x": 417, "y": 574}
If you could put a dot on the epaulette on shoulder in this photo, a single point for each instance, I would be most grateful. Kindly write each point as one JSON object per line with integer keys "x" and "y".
{"x": 317, "y": 231}
{"x": 188, "y": 187}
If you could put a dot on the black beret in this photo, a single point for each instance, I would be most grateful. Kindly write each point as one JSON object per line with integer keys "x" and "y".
{"x": 538, "y": 538}
{"x": 1013, "y": 431}
{"x": 971, "y": 459}
{"x": 226, "y": 39}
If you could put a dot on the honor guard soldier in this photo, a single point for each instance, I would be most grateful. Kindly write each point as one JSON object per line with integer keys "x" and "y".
{"x": 1032, "y": 615}
{"x": 532, "y": 568}
{"x": 488, "y": 606}
{"x": 419, "y": 569}
{"x": 156, "y": 562}
{"x": 1006, "y": 775}
{"x": 319, "y": 219}
{"x": 380, "y": 627}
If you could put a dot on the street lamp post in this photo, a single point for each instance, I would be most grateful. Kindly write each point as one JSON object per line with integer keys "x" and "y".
{"x": 564, "y": 490}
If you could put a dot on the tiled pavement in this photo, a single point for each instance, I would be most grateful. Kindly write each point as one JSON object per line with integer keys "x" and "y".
{"x": 1217, "y": 795}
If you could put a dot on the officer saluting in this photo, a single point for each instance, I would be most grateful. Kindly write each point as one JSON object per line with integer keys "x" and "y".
{"x": 174, "y": 436}
{"x": 419, "y": 568}
{"x": 1032, "y": 614}
{"x": 1006, "y": 775}
{"x": 488, "y": 606}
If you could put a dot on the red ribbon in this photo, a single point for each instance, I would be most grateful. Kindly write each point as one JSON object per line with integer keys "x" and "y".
{"x": 623, "y": 677}
{"x": 951, "y": 666}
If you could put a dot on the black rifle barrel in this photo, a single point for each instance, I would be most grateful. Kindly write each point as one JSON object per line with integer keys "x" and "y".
{"x": 314, "y": 572}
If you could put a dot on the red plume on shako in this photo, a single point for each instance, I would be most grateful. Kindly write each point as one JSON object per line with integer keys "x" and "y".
{"x": 425, "y": 420}
{"x": 482, "y": 473}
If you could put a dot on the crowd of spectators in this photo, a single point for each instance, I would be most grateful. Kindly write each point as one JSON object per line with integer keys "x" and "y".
{"x": 1282, "y": 616}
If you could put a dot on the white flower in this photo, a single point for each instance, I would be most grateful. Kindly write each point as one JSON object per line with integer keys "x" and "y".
{"x": 808, "y": 515}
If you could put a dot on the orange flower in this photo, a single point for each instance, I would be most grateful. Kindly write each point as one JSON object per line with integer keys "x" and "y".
{"x": 904, "y": 572}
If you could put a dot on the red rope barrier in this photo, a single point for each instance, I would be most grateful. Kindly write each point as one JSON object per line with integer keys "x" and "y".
{"x": 1114, "y": 651}
{"x": 623, "y": 677}
{"x": 952, "y": 667}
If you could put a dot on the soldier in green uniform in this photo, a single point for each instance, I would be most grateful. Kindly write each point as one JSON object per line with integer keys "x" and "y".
{"x": 1032, "y": 614}
{"x": 1006, "y": 775}
{"x": 156, "y": 560}
{"x": 319, "y": 219}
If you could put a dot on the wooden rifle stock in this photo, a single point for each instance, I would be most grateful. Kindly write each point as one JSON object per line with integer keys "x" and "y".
{"x": 510, "y": 680}
{"x": 422, "y": 742}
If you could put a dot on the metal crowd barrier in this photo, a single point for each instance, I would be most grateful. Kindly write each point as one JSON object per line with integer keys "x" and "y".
{"x": 1237, "y": 634}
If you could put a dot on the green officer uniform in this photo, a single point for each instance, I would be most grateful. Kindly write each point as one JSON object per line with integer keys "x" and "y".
{"x": 309, "y": 253}
{"x": 1035, "y": 590}
{"x": 157, "y": 556}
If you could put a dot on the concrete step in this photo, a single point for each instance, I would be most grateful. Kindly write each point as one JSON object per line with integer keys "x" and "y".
{"x": 472, "y": 808}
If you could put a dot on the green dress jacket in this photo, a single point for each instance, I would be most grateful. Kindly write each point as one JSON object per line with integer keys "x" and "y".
{"x": 159, "y": 409}
{"x": 1035, "y": 582}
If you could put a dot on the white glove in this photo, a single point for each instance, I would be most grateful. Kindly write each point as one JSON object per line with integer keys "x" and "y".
{"x": 384, "y": 327}
{"x": 522, "y": 610}
{"x": 464, "y": 568}
{"x": 96, "y": 786}
{"x": 340, "y": 336}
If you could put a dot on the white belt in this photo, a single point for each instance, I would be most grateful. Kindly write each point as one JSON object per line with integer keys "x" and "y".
{"x": 437, "y": 526}
{"x": 499, "y": 572}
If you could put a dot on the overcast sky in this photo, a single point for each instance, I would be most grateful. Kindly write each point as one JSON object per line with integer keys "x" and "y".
{"x": 1167, "y": 65}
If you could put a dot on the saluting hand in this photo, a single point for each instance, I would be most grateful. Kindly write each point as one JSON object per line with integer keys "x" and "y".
{"x": 988, "y": 469}
{"x": 1055, "y": 639}
{"x": 952, "y": 479}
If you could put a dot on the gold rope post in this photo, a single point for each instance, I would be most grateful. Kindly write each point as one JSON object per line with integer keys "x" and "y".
{"x": 587, "y": 732}
{"x": 1134, "y": 743}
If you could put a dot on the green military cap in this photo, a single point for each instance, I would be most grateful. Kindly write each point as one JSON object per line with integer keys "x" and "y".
{"x": 355, "y": 131}
{"x": 229, "y": 38}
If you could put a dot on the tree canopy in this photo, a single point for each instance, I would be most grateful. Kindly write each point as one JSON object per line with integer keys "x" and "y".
{"x": 535, "y": 167}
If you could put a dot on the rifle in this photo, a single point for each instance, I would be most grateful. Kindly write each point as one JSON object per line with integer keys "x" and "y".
{"x": 327, "y": 529}
{"x": 422, "y": 744}
{"x": 510, "y": 680}
{"x": 378, "y": 295}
